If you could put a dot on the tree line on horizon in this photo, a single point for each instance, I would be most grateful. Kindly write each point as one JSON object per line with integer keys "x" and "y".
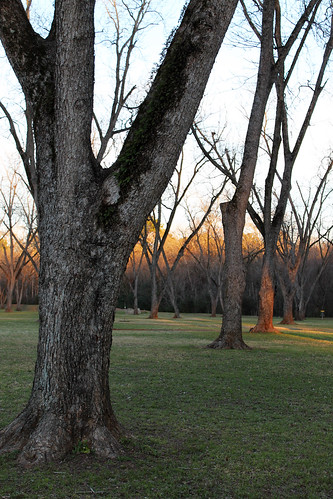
{"x": 153, "y": 283}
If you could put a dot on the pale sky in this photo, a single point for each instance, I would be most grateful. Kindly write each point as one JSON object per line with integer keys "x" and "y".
{"x": 228, "y": 96}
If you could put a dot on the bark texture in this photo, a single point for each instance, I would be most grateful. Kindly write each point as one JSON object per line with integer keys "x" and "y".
{"x": 231, "y": 332}
{"x": 266, "y": 297}
{"x": 287, "y": 278}
{"x": 233, "y": 212}
{"x": 89, "y": 218}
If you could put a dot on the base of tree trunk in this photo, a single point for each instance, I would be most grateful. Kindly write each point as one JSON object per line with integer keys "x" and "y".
{"x": 49, "y": 439}
{"x": 287, "y": 321}
{"x": 229, "y": 344}
{"x": 259, "y": 328}
{"x": 177, "y": 316}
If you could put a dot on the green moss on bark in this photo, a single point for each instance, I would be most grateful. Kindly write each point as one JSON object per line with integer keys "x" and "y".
{"x": 166, "y": 92}
{"x": 105, "y": 215}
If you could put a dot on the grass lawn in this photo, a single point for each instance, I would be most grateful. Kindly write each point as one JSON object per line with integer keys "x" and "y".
{"x": 203, "y": 423}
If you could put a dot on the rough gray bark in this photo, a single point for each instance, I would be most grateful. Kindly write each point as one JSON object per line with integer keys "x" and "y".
{"x": 233, "y": 212}
{"x": 89, "y": 218}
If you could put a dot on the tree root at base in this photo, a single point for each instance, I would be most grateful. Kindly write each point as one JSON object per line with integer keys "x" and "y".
{"x": 49, "y": 440}
{"x": 229, "y": 344}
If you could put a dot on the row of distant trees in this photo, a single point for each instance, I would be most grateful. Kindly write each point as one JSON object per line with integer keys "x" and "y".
{"x": 196, "y": 282}
{"x": 184, "y": 272}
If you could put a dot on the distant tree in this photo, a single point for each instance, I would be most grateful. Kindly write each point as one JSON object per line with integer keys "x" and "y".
{"x": 310, "y": 273}
{"x": 207, "y": 249}
{"x": 272, "y": 71}
{"x": 299, "y": 233}
{"x": 155, "y": 236}
{"x": 133, "y": 273}
{"x": 16, "y": 249}
{"x": 273, "y": 218}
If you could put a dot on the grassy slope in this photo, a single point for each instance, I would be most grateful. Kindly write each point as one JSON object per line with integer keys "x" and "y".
{"x": 204, "y": 423}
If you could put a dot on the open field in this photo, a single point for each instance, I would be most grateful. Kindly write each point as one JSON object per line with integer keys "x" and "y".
{"x": 203, "y": 423}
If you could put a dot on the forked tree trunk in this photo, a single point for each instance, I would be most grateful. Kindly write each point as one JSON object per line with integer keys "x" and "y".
{"x": 233, "y": 212}
{"x": 80, "y": 274}
{"x": 90, "y": 218}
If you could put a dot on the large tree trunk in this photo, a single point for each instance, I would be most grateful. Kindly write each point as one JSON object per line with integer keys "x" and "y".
{"x": 70, "y": 400}
{"x": 90, "y": 218}
{"x": 80, "y": 274}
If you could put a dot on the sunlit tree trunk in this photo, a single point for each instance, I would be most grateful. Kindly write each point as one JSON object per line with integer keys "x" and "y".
{"x": 266, "y": 295}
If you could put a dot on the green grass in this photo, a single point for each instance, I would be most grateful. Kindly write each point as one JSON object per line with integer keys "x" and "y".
{"x": 203, "y": 423}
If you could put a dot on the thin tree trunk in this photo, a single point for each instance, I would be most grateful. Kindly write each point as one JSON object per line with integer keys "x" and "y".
{"x": 301, "y": 311}
{"x": 173, "y": 298}
{"x": 288, "y": 301}
{"x": 10, "y": 294}
{"x": 135, "y": 295}
{"x": 287, "y": 279}
{"x": 19, "y": 295}
{"x": 155, "y": 299}
{"x": 234, "y": 285}
{"x": 213, "y": 303}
